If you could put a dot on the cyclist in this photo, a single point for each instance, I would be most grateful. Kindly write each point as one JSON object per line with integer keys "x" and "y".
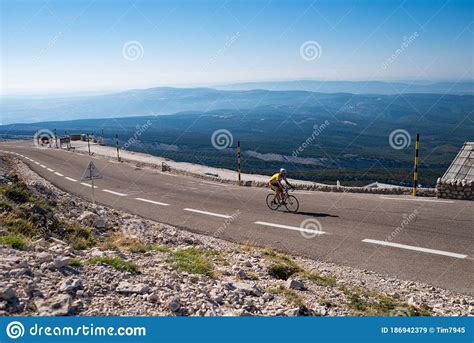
{"x": 276, "y": 185}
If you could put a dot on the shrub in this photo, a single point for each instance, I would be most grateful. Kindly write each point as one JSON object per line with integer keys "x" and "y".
{"x": 117, "y": 263}
{"x": 80, "y": 237}
{"x": 20, "y": 226}
{"x": 193, "y": 260}
{"x": 16, "y": 193}
{"x": 14, "y": 240}
{"x": 74, "y": 262}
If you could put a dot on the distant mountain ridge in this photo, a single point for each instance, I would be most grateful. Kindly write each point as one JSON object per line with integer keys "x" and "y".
{"x": 357, "y": 87}
{"x": 167, "y": 100}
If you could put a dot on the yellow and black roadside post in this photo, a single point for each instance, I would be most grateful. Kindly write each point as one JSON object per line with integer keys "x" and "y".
{"x": 238, "y": 161}
{"x": 117, "y": 145}
{"x": 417, "y": 160}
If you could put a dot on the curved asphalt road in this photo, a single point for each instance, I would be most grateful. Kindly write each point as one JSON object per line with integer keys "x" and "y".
{"x": 431, "y": 240}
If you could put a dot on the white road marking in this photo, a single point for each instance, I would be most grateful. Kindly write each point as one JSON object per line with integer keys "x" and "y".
{"x": 37, "y": 163}
{"x": 293, "y": 228}
{"x": 208, "y": 213}
{"x": 418, "y": 199}
{"x": 88, "y": 185}
{"x": 411, "y": 247}
{"x": 153, "y": 202}
{"x": 42, "y": 166}
{"x": 51, "y": 170}
{"x": 112, "y": 192}
{"x": 58, "y": 174}
{"x": 70, "y": 179}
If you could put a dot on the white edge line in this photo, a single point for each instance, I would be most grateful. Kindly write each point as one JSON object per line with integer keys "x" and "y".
{"x": 410, "y": 247}
{"x": 58, "y": 174}
{"x": 425, "y": 200}
{"x": 293, "y": 228}
{"x": 70, "y": 179}
{"x": 153, "y": 202}
{"x": 208, "y": 213}
{"x": 112, "y": 192}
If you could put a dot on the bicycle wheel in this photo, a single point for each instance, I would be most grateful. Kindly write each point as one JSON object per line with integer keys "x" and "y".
{"x": 271, "y": 203}
{"x": 292, "y": 204}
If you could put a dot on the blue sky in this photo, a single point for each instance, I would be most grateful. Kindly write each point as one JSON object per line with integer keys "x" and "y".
{"x": 82, "y": 45}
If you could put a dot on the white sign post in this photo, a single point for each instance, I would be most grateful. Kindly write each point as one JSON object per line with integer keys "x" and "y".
{"x": 90, "y": 174}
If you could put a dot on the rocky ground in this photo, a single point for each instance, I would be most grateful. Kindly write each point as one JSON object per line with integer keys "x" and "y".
{"x": 61, "y": 255}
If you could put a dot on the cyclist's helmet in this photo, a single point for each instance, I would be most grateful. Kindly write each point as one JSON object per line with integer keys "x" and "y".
{"x": 283, "y": 171}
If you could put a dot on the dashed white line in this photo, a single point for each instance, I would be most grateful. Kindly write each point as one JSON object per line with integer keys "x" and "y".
{"x": 418, "y": 199}
{"x": 411, "y": 247}
{"x": 42, "y": 166}
{"x": 88, "y": 185}
{"x": 208, "y": 213}
{"x": 58, "y": 174}
{"x": 153, "y": 202}
{"x": 293, "y": 228}
{"x": 70, "y": 179}
{"x": 112, "y": 192}
{"x": 51, "y": 170}
{"x": 37, "y": 162}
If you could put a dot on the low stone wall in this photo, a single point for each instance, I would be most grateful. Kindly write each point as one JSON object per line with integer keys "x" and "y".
{"x": 455, "y": 189}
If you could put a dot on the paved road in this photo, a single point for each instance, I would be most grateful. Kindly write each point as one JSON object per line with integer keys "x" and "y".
{"x": 430, "y": 240}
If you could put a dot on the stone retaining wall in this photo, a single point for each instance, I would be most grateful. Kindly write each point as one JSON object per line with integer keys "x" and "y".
{"x": 455, "y": 189}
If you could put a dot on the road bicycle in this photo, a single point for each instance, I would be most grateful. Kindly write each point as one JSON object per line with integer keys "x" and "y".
{"x": 289, "y": 201}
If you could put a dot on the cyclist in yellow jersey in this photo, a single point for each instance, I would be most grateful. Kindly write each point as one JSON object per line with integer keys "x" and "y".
{"x": 275, "y": 183}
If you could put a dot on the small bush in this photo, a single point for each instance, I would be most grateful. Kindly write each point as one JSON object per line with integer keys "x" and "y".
{"x": 80, "y": 237}
{"x": 15, "y": 241}
{"x": 74, "y": 262}
{"x": 327, "y": 281}
{"x": 281, "y": 271}
{"x": 5, "y": 207}
{"x": 20, "y": 226}
{"x": 117, "y": 263}
{"x": 291, "y": 296}
{"x": 193, "y": 260}
{"x": 17, "y": 193}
